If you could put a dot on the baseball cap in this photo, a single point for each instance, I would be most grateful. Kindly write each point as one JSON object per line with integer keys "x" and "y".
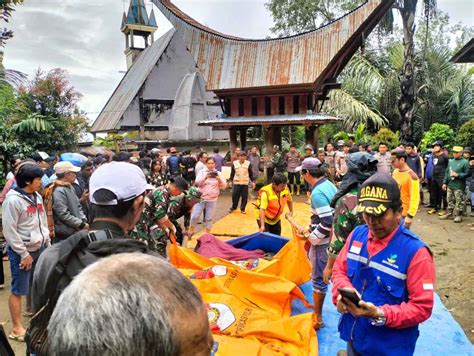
{"x": 64, "y": 167}
{"x": 457, "y": 149}
{"x": 180, "y": 182}
{"x": 467, "y": 149}
{"x": 309, "y": 164}
{"x": 376, "y": 194}
{"x": 308, "y": 147}
{"x": 125, "y": 180}
{"x": 438, "y": 143}
{"x": 398, "y": 152}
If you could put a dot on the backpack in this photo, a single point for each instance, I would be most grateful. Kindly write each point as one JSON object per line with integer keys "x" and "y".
{"x": 173, "y": 162}
{"x": 189, "y": 166}
{"x": 36, "y": 336}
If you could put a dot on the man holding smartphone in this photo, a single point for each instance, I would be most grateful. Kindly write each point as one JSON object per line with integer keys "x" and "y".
{"x": 390, "y": 269}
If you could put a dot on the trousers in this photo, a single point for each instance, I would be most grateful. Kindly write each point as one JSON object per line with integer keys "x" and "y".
{"x": 240, "y": 191}
{"x": 456, "y": 201}
{"x": 438, "y": 193}
{"x": 208, "y": 208}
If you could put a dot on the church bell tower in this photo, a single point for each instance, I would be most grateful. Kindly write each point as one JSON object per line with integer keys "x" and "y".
{"x": 137, "y": 23}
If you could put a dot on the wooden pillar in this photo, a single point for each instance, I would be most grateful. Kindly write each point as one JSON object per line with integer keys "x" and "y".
{"x": 275, "y": 105}
{"x": 312, "y": 136}
{"x": 243, "y": 138}
{"x": 261, "y": 106}
{"x": 232, "y": 140}
{"x": 234, "y": 107}
{"x": 289, "y": 105}
{"x": 272, "y": 137}
{"x": 303, "y": 104}
{"x": 316, "y": 137}
{"x": 277, "y": 136}
{"x": 268, "y": 132}
{"x": 247, "y": 106}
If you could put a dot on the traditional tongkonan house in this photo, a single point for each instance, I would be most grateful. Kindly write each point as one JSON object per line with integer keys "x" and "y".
{"x": 274, "y": 82}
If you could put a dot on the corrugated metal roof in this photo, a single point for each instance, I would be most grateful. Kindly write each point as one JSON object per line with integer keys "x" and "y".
{"x": 228, "y": 62}
{"x": 465, "y": 54}
{"x": 319, "y": 118}
{"x": 111, "y": 114}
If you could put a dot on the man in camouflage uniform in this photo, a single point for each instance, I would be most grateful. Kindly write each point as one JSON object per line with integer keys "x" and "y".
{"x": 360, "y": 166}
{"x": 455, "y": 184}
{"x": 155, "y": 224}
{"x": 277, "y": 160}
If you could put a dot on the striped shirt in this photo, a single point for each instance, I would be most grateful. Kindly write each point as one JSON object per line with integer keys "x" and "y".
{"x": 321, "y": 212}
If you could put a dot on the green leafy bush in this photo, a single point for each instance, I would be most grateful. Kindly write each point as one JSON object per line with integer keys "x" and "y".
{"x": 438, "y": 132}
{"x": 385, "y": 135}
{"x": 465, "y": 136}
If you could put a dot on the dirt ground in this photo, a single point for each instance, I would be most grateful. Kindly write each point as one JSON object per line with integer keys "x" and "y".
{"x": 452, "y": 245}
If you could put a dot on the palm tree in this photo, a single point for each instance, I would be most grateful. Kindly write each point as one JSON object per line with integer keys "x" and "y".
{"x": 407, "y": 100}
{"x": 9, "y": 76}
{"x": 357, "y": 102}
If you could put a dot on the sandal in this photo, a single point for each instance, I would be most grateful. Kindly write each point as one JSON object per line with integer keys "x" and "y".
{"x": 319, "y": 325}
{"x": 18, "y": 338}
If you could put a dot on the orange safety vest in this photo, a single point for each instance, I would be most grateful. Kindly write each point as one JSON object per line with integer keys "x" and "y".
{"x": 276, "y": 203}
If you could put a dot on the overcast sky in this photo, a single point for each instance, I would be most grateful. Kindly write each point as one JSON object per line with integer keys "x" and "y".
{"x": 83, "y": 36}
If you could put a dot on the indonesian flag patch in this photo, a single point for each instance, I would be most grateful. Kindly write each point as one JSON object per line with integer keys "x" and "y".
{"x": 356, "y": 247}
{"x": 427, "y": 284}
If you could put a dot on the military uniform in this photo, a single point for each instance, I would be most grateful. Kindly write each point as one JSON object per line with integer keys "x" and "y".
{"x": 277, "y": 162}
{"x": 346, "y": 218}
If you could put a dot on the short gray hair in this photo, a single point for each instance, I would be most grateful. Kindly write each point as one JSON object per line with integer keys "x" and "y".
{"x": 125, "y": 304}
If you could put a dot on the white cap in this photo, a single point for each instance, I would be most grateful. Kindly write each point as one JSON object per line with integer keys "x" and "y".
{"x": 125, "y": 180}
{"x": 64, "y": 167}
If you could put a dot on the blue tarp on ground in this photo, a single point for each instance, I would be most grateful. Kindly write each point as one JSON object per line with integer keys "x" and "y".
{"x": 439, "y": 335}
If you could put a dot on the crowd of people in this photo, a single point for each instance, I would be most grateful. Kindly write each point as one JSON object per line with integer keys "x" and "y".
{"x": 58, "y": 216}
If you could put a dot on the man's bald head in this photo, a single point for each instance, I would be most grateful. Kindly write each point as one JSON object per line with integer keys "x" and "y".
{"x": 129, "y": 304}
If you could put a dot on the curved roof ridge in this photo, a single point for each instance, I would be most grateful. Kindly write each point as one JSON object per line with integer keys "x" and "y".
{"x": 181, "y": 15}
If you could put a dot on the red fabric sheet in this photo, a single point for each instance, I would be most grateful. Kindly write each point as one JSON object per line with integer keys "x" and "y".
{"x": 209, "y": 246}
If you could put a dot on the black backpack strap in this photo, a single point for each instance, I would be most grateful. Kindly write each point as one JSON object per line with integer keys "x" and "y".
{"x": 99, "y": 235}
{"x": 66, "y": 250}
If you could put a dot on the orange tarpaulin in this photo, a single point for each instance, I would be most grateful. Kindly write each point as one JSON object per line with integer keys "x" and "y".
{"x": 290, "y": 262}
{"x": 269, "y": 293}
{"x": 249, "y": 302}
{"x": 270, "y": 333}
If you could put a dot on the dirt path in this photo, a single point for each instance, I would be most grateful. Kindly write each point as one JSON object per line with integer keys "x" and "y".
{"x": 452, "y": 245}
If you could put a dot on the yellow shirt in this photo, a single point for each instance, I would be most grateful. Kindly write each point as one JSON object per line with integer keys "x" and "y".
{"x": 409, "y": 190}
{"x": 273, "y": 204}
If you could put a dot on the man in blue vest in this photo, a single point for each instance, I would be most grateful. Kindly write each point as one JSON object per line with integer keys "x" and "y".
{"x": 392, "y": 272}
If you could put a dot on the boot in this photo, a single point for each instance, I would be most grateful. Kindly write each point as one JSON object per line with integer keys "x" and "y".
{"x": 318, "y": 299}
{"x": 447, "y": 216}
{"x": 292, "y": 189}
{"x": 457, "y": 216}
{"x": 297, "y": 190}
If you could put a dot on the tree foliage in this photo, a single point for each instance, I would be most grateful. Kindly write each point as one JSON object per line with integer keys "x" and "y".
{"x": 6, "y": 9}
{"x": 371, "y": 82}
{"x": 438, "y": 132}
{"x": 48, "y": 116}
{"x": 465, "y": 136}
{"x": 297, "y": 16}
{"x": 386, "y": 135}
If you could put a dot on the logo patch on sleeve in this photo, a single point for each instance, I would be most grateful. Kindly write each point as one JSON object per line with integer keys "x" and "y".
{"x": 356, "y": 247}
{"x": 428, "y": 284}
